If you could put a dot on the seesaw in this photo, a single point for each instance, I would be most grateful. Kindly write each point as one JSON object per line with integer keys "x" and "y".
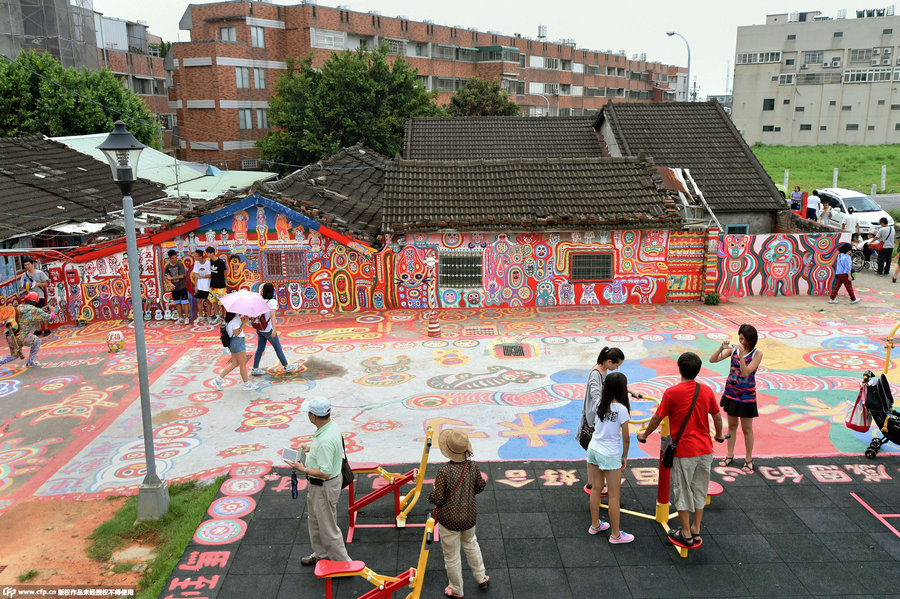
{"x": 394, "y": 482}
{"x": 385, "y": 586}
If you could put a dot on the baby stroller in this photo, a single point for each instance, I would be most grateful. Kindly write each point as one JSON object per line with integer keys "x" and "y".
{"x": 880, "y": 405}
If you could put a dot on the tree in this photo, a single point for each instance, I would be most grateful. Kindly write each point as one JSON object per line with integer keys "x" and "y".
{"x": 482, "y": 98}
{"x": 354, "y": 97}
{"x": 38, "y": 95}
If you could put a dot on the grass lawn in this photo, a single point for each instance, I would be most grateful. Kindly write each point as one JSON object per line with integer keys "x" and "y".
{"x": 812, "y": 166}
{"x": 170, "y": 534}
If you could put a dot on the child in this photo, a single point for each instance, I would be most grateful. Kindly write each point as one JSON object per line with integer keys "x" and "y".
{"x": 842, "y": 267}
{"x": 607, "y": 455}
{"x": 455, "y": 487}
{"x": 234, "y": 324}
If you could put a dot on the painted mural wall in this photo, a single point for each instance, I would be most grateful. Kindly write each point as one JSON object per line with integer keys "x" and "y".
{"x": 778, "y": 264}
{"x": 535, "y": 269}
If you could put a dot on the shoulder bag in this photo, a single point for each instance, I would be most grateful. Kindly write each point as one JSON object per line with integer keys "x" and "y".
{"x": 347, "y": 475}
{"x": 668, "y": 457}
{"x": 461, "y": 477}
{"x": 585, "y": 430}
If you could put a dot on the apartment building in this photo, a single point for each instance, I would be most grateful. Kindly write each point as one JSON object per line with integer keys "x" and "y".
{"x": 804, "y": 78}
{"x": 222, "y": 79}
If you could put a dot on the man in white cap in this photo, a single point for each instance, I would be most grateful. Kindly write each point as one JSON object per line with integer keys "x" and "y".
{"x": 324, "y": 457}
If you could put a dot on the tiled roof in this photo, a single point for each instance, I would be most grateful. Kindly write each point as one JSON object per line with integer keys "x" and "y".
{"x": 45, "y": 183}
{"x": 342, "y": 191}
{"x": 698, "y": 136}
{"x": 557, "y": 193}
{"x": 500, "y": 137}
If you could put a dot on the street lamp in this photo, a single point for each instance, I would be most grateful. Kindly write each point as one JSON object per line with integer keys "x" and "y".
{"x": 122, "y": 151}
{"x": 547, "y": 100}
{"x": 688, "y": 93}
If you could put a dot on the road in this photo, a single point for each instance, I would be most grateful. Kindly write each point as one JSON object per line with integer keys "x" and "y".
{"x": 888, "y": 201}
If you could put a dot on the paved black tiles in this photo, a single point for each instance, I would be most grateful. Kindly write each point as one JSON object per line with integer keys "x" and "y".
{"x": 761, "y": 538}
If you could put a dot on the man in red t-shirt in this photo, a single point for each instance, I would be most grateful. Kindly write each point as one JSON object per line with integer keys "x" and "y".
{"x": 693, "y": 456}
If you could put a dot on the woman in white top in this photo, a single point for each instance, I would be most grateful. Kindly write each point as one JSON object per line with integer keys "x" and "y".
{"x": 234, "y": 324}
{"x": 608, "y": 454}
{"x": 265, "y": 332}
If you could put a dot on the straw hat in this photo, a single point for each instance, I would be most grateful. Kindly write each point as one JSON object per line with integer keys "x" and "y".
{"x": 455, "y": 445}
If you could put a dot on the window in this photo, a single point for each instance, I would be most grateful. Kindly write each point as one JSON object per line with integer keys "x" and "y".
{"x": 799, "y": 108}
{"x": 881, "y": 102}
{"x": 887, "y": 31}
{"x": 846, "y": 107}
{"x": 284, "y": 266}
{"x": 895, "y": 106}
{"x": 896, "y": 126}
{"x": 245, "y": 115}
{"x": 227, "y": 34}
{"x": 262, "y": 118}
{"x": 397, "y": 47}
{"x": 445, "y": 52}
{"x": 861, "y": 55}
{"x": 814, "y": 57}
{"x": 786, "y": 79}
{"x": 259, "y": 78}
{"x": 295, "y": 265}
{"x": 460, "y": 270}
{"x": 551, "y": 63}
{"x": 257, "y": 37}
{"x": 421, "y": 50}
{"x": 832, "y": 102}
{"x": 792, "y": 36}
{"x": 871, "y": 127}
{"x": 789, "y": 61}
{"x": 737, "y": 229}
{"x": 787, "y": 101}
{"x": 586, "y": 268}
{"x": 328, "y": 39}
{"x": 806, "y": 127}
{"x": 271, "y": 266}
{"x": 142, "y": 86}
{"x": 768, "y": 103}
{"x": 866, "y": 75}
{"x": 522, "y": 60}
{"x": 767, "y": 128}
{"x": 758, "y": 57}
{"x": 777, "y": 129}
{"x": 838, "y": 34}
{"x": 823, "y": 128}
{"x": 242, "y": 76}
{"x": 249, "y": 164}
{"x": 852, "y": 127}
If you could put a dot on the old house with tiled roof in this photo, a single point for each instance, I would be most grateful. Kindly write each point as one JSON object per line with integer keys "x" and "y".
{"x": 700, "y": 137}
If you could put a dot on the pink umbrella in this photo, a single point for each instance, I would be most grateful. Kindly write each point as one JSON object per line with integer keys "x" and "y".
{"x": 245, "y": 302}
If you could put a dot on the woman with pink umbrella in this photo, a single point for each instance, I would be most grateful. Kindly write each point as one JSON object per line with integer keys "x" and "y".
{"x": 240, "y": 307}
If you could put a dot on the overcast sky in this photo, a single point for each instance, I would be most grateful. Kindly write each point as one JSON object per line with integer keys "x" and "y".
{"x": 637, "y": 26}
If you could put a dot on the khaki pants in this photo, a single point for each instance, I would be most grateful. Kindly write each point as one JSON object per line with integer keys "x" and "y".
{"x": 324, "y": 534}
{"x": 690, "y": 482}
{"x": 450, "y": 543}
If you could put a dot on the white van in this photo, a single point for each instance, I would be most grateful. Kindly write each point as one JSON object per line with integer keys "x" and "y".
{"x": 864, "y": 207}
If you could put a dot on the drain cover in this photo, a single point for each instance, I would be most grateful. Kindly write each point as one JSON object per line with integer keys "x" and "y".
{"x": 513, "y": 349}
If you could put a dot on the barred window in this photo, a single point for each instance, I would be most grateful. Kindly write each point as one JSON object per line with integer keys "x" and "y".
{"x": 460, "y": 270}
{"x": 271, "y": 266}
{"x": 284, "y": 266}
{"x": 587, "y": 268}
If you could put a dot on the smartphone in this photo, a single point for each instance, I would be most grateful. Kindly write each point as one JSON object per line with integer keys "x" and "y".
{"x": 291, "y": 455}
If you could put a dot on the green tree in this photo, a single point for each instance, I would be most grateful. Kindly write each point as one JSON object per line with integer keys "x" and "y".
{"x": 354, "y": 97}
{"x": 38, "y": 95}
{"x": 482, "y": 98}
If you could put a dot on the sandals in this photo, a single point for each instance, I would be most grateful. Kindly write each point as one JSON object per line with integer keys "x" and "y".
{"x": 485, "y": 582}
{"x": 727, "y": 461}
{"x": 449, "y": 592}
{"x": 677, "y": 537}
{"x": 747, "y": 467}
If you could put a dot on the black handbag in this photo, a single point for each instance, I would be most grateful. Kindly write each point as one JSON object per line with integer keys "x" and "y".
{"x": 585, "y": 434}
{"x": 347, "y": 475}
{"x": 668, "y": 457}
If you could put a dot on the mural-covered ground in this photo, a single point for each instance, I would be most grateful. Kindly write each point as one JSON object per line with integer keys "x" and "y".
{"x": 72, "y": 428}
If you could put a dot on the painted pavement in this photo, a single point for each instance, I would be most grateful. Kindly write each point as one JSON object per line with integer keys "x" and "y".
{"x": 72, "y": 428}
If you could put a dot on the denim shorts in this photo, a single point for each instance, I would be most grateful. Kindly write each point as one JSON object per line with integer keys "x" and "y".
{"x": 238, "y": 345}
{"x": 604, "y": 462}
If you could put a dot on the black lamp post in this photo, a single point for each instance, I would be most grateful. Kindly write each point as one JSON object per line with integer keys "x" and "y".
{"x": 122, "y": 151}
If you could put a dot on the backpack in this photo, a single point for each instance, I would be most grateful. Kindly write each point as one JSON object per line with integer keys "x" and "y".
{"x": 224, "y": 337}
{"x": 261, "y": 322}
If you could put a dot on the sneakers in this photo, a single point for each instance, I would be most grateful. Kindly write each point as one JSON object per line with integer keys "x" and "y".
{"x": 248, "y": 386}
{"x": 257, "y": 372}
{"x": 834, "y": 301}
{"x": 34, "y": 364}
{"x": 219, "y": 382}
{"x": 623, "y": 537}
{"x": 603, "y": 526}
{"x": 291, "y": 368}
{"x": 310, "y": 560}
{"x": 856, "y": 301}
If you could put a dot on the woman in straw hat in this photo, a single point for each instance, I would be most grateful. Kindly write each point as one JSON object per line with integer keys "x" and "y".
{"x": 455, "y": 487}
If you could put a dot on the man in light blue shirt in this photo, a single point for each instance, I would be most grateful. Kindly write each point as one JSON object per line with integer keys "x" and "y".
{"x": 842, "y": 267}
{"x": 325, "y": 455}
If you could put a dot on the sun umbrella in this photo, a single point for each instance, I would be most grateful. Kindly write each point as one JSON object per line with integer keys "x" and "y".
{"x": 245, "y": 303}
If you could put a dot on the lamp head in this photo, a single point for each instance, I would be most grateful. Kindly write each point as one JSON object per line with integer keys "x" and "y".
{"x": 670, "y": 33}
{"x": 122, "y": 151}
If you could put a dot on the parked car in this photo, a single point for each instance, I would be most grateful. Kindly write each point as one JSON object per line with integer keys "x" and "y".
{"x": 782, "y": 190}
{"x": 864, "y": 207}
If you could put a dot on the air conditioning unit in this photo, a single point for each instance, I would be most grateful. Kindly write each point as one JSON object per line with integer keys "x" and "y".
{"x": 887, "y": 50}
{"x": 875, "y": 62}
{"x": 836, "y": 63}
{"x": 886, "y": 61}
{"x": 876, "y": 51}
{"x": 804, "y": 66}
{"x": 825, "y": 65}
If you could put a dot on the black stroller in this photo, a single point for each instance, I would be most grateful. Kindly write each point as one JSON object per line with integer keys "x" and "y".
{"x": 880, "y": 405}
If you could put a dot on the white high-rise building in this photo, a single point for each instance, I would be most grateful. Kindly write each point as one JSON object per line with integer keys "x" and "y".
{"x": 807, "y": 79}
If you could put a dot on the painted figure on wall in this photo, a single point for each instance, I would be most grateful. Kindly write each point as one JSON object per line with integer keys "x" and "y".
{"x": 239, "y": 223}
{"x": 737, "y": 264}
{"x": 282, "y": 228}
{"x": 262, "y": 228}
{"x": 781, "y": 264}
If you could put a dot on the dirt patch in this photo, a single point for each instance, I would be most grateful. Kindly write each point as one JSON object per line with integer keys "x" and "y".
{"x": 57, "y": 543}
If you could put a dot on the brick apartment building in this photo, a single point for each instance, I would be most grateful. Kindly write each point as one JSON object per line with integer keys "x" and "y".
{"x": 221, "y": 81}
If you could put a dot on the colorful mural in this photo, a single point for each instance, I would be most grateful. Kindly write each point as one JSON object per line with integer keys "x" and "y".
{"x": 778, "y": 264}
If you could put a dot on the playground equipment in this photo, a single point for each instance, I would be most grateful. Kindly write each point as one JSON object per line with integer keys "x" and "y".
{"x": 663, "y": 515}
{"x": 385, "y": 586}
{"x": 394, "y": 481}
